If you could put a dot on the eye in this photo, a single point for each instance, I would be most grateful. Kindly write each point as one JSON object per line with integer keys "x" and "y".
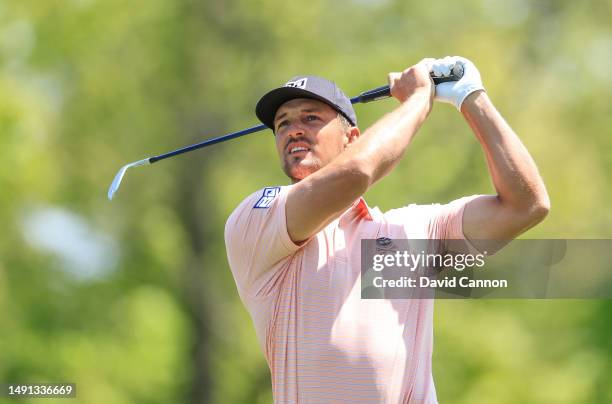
{"x": 311, "y": 117}
{"x": 281, "y": 124}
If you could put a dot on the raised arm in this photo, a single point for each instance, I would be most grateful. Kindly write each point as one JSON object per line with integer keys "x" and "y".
{"x": 521, "y": 201}
{"x": 321, "y": 196}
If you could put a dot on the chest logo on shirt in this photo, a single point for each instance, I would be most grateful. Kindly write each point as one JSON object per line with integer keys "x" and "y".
{"x": 269, "y": 193}
{"x": 385, "y": 244}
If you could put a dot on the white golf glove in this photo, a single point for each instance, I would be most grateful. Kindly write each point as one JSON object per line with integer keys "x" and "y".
{"x": 455, "y": 92}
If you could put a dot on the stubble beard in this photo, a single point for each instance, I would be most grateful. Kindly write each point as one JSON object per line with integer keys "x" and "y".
{"x": 300, "y": 170}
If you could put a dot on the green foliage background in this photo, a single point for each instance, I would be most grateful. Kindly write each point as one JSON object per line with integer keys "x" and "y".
{"x": 150, "y": 313}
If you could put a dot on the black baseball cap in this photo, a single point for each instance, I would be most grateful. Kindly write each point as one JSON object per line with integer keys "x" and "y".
{"x": 313, "y": 87}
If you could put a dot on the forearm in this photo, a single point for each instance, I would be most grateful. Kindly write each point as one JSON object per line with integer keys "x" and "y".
{"x": 513, "y": 171}
{"x": 371, "y": 157}
{"x": 382, "y": 146}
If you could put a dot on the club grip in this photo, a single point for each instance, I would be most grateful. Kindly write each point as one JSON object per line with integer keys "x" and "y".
{"x": 384, "y": 92}
{"x": 373, "y": 95}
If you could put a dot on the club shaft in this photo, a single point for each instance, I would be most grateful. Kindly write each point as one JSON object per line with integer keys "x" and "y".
{"x": 372, "y": 95}
{"x": 208, "y": 142}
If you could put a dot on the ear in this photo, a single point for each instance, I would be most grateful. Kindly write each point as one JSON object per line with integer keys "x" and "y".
{"x": 351, "y": 136}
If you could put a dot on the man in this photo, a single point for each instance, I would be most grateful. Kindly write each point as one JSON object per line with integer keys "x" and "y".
{"x": 294, "y": 250}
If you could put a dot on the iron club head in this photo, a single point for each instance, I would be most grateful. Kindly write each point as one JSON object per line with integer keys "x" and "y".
{"x": 117, "y": 180}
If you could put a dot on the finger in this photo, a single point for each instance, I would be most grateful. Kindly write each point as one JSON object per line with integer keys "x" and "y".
{"x": 445, "y": 66}
{"x": 446, "y": 69}
{"x": 393, "y": 77}
{"x": 460, "y": 62}
{"x": 459, "y": 69}
{"x": 436, "y": 69}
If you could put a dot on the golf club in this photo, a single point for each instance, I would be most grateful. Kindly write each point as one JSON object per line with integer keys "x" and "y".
{"x": 367, "y": 96}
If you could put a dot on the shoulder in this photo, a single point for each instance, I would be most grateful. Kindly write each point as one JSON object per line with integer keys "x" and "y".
{"x": 258, "y": 203}
{"x": 256, "y": 238}
{"x": 260, "y": 199}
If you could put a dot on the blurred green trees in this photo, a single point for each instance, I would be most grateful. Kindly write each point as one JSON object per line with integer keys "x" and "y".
{"x": 133, "y": 300}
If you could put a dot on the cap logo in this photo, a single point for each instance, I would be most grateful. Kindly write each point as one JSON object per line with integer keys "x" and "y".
{"x": 301, "y": 83}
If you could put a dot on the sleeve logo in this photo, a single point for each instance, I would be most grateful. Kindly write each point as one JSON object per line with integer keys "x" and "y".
{"x": 269, "y": 193}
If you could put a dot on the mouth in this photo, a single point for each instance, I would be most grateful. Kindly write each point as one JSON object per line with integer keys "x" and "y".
{"x": 297, "y": 148}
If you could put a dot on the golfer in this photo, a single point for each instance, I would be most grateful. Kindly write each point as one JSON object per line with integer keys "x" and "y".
{"x": 294, "y": 250}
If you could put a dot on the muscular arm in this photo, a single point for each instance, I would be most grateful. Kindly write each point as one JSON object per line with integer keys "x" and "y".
{"x": 521, "y": 201}
{"x": 321, "y": 197}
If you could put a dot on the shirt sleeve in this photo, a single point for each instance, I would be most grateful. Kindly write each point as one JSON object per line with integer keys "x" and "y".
{"x": 257, "y": 242}
{"x": 446, "y": 224}
{"x": 440, "y": 222}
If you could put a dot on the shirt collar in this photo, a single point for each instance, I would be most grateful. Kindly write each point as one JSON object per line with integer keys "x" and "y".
{"x": 360, "y": 209}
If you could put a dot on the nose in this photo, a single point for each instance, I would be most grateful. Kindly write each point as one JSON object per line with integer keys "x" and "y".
{"x": 291, "y": 131}
{"x": 295, "y": 129}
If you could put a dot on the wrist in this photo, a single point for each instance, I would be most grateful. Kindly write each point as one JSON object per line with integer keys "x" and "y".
{"x": 474, "y": 102}
{"x": 421, "y": 98}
